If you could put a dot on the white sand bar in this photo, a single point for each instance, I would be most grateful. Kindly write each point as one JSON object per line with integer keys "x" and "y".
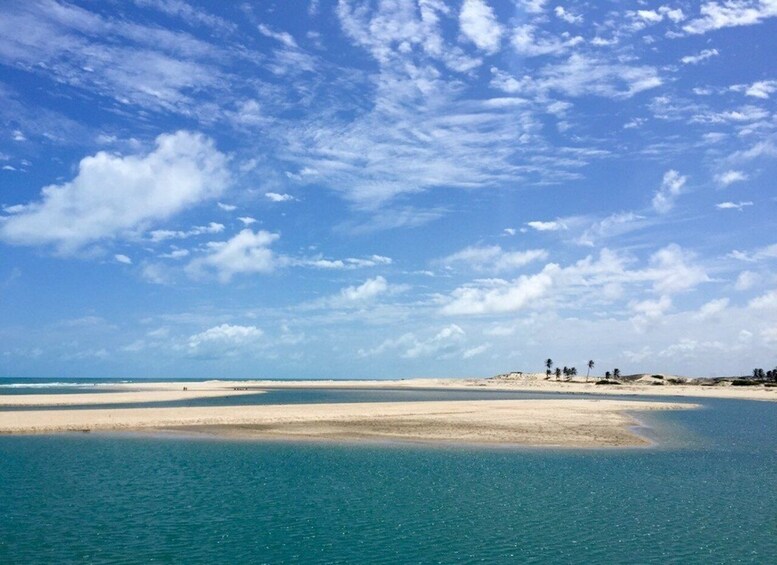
{"x": 562, "y": 422}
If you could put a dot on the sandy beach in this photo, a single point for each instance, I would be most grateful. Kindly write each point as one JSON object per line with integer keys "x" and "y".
{"x": 553, "y": 422}
{"x": 528, "y": 382}
{"x": 570, "y": 422}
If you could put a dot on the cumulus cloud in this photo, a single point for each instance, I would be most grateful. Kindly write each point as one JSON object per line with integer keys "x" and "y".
{"x": 671, "y": 187}
{"x": 276, "y": 197}
{"x": 670, "y": 270}
{"x": 493, "y": 258}
{"x": 546, "y": 226}
{"x": 731, "y": 13}
{"x": 112, "y": 195}
{"x": 730, "y": 177}
{"x": 368, "y": 290}
{"x": 767, "y": 301}
{"x": 224, "y": 339}
{"x": 712, "y": 308}
{"x": 760, "y": 89}
{"x": 761, "y": 254}
{"x": 500, "y": 297}
{"x": 567, "y": 16}
{"x": 746, "y": 280}
{"x": 478, "y": 23}
{"x": 245, "y": 253}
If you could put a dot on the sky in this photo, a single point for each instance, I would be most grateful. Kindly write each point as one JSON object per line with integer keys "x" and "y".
{"x": 386, "y": 188}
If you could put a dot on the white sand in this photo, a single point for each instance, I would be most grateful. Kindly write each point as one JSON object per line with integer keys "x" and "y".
{"x": 531, "y": 382}
{"x": 563, "y": 422}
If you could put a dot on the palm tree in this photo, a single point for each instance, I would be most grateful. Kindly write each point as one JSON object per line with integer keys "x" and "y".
{"x": 590, "y": 366}
{"x": 549, "y": 363}
{"x": 616, "y": 373}
{"x": 558, "y": 373}
{"x": 607, "y": 375}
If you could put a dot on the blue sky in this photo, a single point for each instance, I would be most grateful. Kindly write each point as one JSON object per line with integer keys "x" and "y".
{"x": 386, "y": 188}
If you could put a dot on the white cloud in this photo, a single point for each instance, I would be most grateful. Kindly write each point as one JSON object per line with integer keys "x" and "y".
{"x": 247, "y": 220}
{"x": 585, "y": 75}
{"x": 175, "y": 254}
{"x": 712, "y": 308}
{"x": 767, "y": 301}
{"x": 283, "y": 37}
{"x": 245, "y": 253}
{"x": 746, "y": 280}
{"x": 502, "y": 297}
{"x": 670, "y": 270}
{"x": 162, "y": 235}
{"x": 733, "y": 205}
{"x": 730, "y": 177}
{"x": 275, "y": 197}
{"x": 183, "y": 170}
{"x": 568, "y": 17}
{"x": 122, "y": 259}
{"x": 358, "y": 296}
{"x": 649, "y": 312}
{"x": 343, "y": 264}
{"x": 509, "y": 231}
{"x": 225, "y": 338}
{"x": 444, "y": 341}
{"x": 533, "y": 6}
{"x": 702, "y": 56}
{"x": 546, "y": 226}
{"x": 671, "y": 187}
{"x": 731, "y": 13}
{"x": 611, "y": 226}
{"x": 478, "y": 23}
{"x": 528, "y": 41}
{"x": 760, "y": 89}
{"x": 493, "y": 258}
{"x": 768, "y": 252}
{"x": 447, "y": 343}
{"x": 475, "y": 351}
{"x": 369, "y": 289}
{"x": 226, "y": 207}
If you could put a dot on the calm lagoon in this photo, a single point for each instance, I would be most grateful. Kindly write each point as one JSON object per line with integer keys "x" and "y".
{"x": 704, "y": 494}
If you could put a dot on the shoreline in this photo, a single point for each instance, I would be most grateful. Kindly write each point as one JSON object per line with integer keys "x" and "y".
{"x": 527, "y": 383}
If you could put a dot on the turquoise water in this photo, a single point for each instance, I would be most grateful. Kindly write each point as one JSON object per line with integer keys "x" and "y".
{"x": 102, "y": 498}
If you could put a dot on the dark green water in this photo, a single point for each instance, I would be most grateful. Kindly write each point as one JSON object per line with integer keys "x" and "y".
{"x": 706, "y": 498}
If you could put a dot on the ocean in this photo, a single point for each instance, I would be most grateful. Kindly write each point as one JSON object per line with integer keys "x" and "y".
{"x": 704, "y": 494}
